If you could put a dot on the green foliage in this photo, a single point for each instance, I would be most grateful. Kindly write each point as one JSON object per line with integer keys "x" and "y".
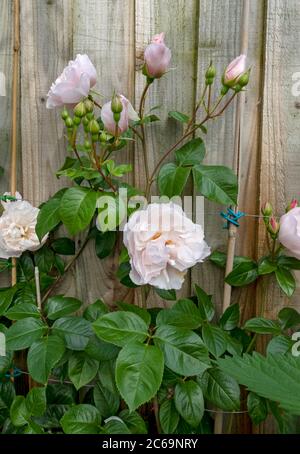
{"x": 77, "y": 208}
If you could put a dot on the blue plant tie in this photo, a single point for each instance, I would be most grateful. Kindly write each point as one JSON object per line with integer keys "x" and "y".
{"x": 16, "y": 372}
{"x": 231, "y": 217}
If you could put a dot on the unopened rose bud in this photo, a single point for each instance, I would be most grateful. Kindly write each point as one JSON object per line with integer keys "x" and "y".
{"x": 157, "y": 57}
{"x": 69, "y": 122}
{"x": 291, "y": 205}
{"x": 116, "y": 104}
{"x": 267, "y": 209}
{"x": 244, "y": 79}
{"x": 210, "y": 72}
{"x": 87, "y": 145}
{"x": 273, "y": 227}
{"x": 117, "y": 117}
{"x": 234, "y": 70}
{"x": 64, "y": 114}
{"x": 77, "y": 121}
{"x": 95, "y": 137}
{"x": 80, "y": 110}
{"x": 89, "y": 105}
{"x": 90, "y": 116}
{"x": 85, "y": 121}
{"x": 209, "y": 81}
{"x": 103, "y": 137}
{"x": 94, "y": 127}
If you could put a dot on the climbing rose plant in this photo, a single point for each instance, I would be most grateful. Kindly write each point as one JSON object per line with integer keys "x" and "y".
{"x": 127, "y": 369}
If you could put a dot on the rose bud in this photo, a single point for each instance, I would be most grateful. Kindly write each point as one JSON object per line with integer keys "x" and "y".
{"x": 73, "y": 84}
{"x": 128, "y": 113}
{"x": 291, "y": 205}
{"x": 289, "y": 234}
{"x": 267, "y": 209}
{"x": 273, "y": 227}
{"x": 234, "y": 70}
{"x": 157, "y": 57}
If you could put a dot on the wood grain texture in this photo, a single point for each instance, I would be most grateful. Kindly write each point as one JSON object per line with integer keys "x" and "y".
{"x": 280, "y": 153}
{"x": 46, "y": 47}
{"x": 174, "y": 91}
{"x": 221, "y": 45}
{"x": 104, "y": 29}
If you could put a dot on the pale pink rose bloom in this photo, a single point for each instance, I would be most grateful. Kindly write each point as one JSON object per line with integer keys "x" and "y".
{"x": 73, "y": 84}
{"x": 289, "y": 233}
{"x": 128, "y": 113}
{"x": 157, "y": 56}
{"x": 234, "y": 70}
{"x": 17, "y": 228}
{"x": 162, "y": 244}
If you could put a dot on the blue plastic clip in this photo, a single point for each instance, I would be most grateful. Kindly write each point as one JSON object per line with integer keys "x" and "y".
{"x": 16, "y": 372}
{"x": 231, "y": 217}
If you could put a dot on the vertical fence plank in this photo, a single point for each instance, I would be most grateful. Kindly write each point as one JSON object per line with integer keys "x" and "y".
{"x": 221, "y": 45}
{"x": 104, "y": 29}
{"x": 6, "y": 56}
{"x": 280, "y": 155}
{"x": 46, "y": 37}
{"x": 176, "y": 90}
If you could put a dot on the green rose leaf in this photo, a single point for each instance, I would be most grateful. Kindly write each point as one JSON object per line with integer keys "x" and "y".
{"x": 231, "y": 317}
{"x": 279, "y": 344}
{"x": 77, "y": 208}
{"x": 288, "y": 262}
{"x": 6, "y": 298}
{"x": 36, "y": 401}
{"x": 216, "y": 183}
{"x": 169, "y": 295}
{"x": 139, "y": 371}
{"x": 105, "y": 243}
{"x": 49, "y": 215}
{"x": 220, "y": 389}
{"x": 23, "y": 333}
{"x": 95, "y": 310}
{"x": 19, "y": 413}
{"x": 76, "y": 331}
{"x": 265, "y": 266}
{"x": 189, "y": 402}
{"x": 22, "y": 310}
{"x": 43, "y": 355}
{"x": 179, "y": 116}
{"x": 183, "y": 350}
{"x": 257, "y": 408}
{"x": 58, "y": 306}
{"x": 205, "y": 304}
{"x": 289, "y": 318}
{"x": 242, "y": 274}
{"x": 192, "y": 153}
{"x": 82, "y": 369}
{"x": 262, "y": 325}
{"x": 286, "y": 281}
{"x": 172, "y": 179}
{"x": 136, "y": 310}
{"x": 107, "y": 402}
{"x": 120, "y": 328}
{"x": 184, "y": 313}
{"x": 81, "y": 419}
{"x": 168, "y": 416}
{"x": 133, "y": 421}
{"x": 63, "y": 246}
{"x": 214, "y": 339}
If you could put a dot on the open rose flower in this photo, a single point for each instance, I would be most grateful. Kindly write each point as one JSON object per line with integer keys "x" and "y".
{"x": 73, "y": 84}
{"x": 234, "y": 70}
{"x": 157, "y": 57}
{"x": 128, "y": 113}
{"x": 289, "y": 233}
{"x": 17, "y": 228}
{"x": 163, "y": 243}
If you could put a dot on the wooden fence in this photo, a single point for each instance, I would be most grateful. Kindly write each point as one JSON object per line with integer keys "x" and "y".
{"x": 114, "y": 33}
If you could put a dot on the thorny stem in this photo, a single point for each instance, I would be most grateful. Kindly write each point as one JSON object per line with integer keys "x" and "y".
{"x": 185, "y": 135}
{"x": 143, "y": 138}
{"x": 68, "y": 266}
{"x": 98, "y": 165}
